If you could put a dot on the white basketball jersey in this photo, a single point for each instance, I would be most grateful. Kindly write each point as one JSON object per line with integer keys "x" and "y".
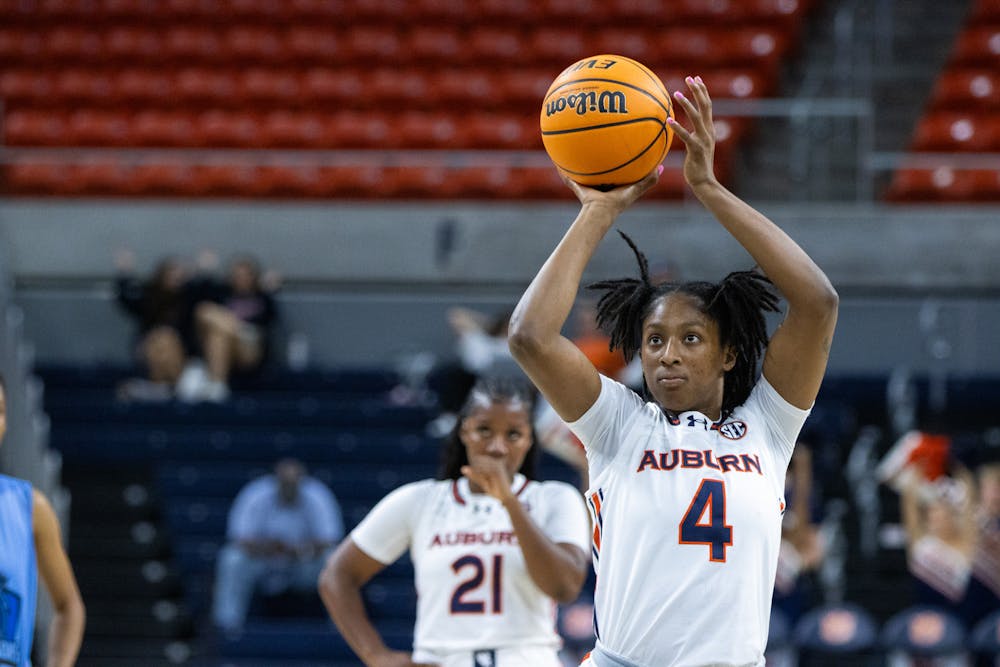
{"x": 687, "y": 526}
{"x": 473, "y": 589}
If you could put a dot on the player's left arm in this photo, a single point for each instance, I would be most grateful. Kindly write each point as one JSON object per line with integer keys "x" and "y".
{"x": 66, "y": 631}
{"x": 797, "y": 354}
{"x": 558, "y": 569}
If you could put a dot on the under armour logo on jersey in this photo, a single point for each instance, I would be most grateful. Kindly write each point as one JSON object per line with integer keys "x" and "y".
{"x": 733, "y": 430}
{"x": 484, "y": 658}
{"x": 692, "y": 420}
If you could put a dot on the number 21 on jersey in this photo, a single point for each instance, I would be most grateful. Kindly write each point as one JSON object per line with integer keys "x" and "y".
{"x": 466, "y": 599}
{"x": 705, "y": 520}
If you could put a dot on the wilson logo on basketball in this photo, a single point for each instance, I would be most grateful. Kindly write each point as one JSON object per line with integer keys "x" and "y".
{"x": 733, "y": 430}
{"x": 606, "y": 101}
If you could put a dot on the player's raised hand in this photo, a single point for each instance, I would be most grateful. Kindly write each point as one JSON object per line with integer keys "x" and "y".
{"x": 399, "y": 659}
{"x": 699, "y": 141}
{"x": 491, "y": 475}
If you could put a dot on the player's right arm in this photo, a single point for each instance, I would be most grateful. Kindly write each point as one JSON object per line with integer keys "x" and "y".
{"x": 566, "y": 378}
{"x": 346, "y": 572}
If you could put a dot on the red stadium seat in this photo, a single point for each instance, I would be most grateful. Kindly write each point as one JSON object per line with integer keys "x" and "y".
{"x": 438, "y": 45}
{"x": 93, "y": 177}
{"x": 510, "y": 13}
{"x": 89, "y": 127}
{"x": 967, "y": 89}
{"x": 944, "y": 184}
{"x": 286, "y": 180}
{"x": 985, "y": 11}
{"x": 256, "y": 44}
{"x": 133, "y": 46}
{"x": 74, "y": 87}
{"x": 575, "y": 12}
{"x": 193, "y": 44}
{"x": 418, "y": 182}
{"x": 426, "y": 130}
{"x": 392, "y": 88}
{"x": 628, "y": 42}
{"x": 73, "y": 44}
{"x": 197, "y": 86}
{"x": 978, "y": 46}
{"x": 226, "y": 129}
{"x": 142, "y": 87}
{"x": 18, "y": 46}
{"x": 162, "y": 128}
{"x": 682, "y": 47}
{"x": 314, "y": 45}
{"x": 286, "y": 129}
{"x": 29, "y": 178}
{"x": 486, "y": 182}
{"x": 354, "y": 182}
{"x": 352, "y": 129}
{"x": 502, "y": 131}
{"x": 336, "y": 87}
{"x": 371, "y": 45}
{"x": 465, "y": 88}
{"x": 559, "y": 47}
{"x": 741, "y": 46}
{"x": 494, "y": 45}
{"x": 20, "y": 87}
{"x": 30, "y": 127}
{"x": 223, "y": 179}
{"x": 269, "y": 87}
{"x": 438, "y": 12}
{"x": 538, "y": 183}
{"x": 524, "y": 88}
{"x": 951, "y": 131}
{"x": 163, "y": 178}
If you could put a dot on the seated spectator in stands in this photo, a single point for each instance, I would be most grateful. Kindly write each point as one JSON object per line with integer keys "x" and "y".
{"x": 233, "y": 322}
{"x": 162, "y": 309}
{"x": 802, "y": 547}
{"x": 983, "y": 596}
{"x": 481, "y": 352}
{"x": 281, "y": 529}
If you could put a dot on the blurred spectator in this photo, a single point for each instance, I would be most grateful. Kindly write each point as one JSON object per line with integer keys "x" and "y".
{"x": 983, "y": 597}
{"x": 802, "y": 546}
{"x": 233, "y": 322}
{"x": 162, "y": 309}
{"x": 281, "y": 529}
{"x": 481, "y": 352}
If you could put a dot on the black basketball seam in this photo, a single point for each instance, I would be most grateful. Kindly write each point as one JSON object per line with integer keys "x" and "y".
{"x": 623, "y": 164}
{"x": 547, "y": 133}
{"x": 620, "y": 83}
{"x": 651, "y": 75}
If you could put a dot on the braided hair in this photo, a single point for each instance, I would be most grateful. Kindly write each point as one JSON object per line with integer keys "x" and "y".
{"x": 737, "y": 305}
{"x": 492, "y": 390}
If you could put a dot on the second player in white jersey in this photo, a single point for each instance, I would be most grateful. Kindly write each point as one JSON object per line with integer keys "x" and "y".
{"x": 492, "y": 550}
{"x": 687, "y": 487}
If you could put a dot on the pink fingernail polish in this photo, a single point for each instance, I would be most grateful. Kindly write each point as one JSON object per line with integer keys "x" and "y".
{"x": 659, "y": 170}
{"x": 699, "y": 79}
{"x": 679, "y": 95}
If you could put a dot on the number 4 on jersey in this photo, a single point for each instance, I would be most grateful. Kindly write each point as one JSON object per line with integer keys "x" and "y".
{"x": 709, "y": 503}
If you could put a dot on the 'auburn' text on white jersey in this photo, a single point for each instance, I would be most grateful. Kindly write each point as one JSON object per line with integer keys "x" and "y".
{"x": 473, "y": 588}
{"x": 687, "y": 525}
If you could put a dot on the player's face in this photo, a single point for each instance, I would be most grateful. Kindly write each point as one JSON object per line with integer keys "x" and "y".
{"x": 498, "y": 431}
{"x": 682, "y": 359}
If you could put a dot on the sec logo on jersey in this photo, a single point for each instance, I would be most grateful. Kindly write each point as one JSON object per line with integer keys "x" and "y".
{"x": 733, "y": 430}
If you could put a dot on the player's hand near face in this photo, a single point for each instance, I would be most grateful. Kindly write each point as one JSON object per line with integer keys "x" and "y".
{"x": 490, "y": 474}
{"x": 699, "y": 142}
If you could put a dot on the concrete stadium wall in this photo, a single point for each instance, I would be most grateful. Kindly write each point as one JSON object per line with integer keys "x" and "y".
{"x": 372, "y": 283}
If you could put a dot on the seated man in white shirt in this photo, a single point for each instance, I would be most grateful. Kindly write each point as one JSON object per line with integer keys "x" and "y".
{"x": 281, "y": 529}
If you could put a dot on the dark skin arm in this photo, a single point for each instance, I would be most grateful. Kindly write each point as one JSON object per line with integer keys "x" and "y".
{"x": 66, "y": 631}
{"x": 796, "y": 357}
{"x": 558, "y": 569}
{"x": 347, "y": 571}
{"x": 563, "y": 374}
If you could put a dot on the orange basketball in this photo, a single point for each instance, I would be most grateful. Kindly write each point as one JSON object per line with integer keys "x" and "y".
{"x": 604, "y": 121}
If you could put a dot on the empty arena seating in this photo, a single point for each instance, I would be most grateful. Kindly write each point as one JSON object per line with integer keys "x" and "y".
{"x": 431, "y": 76}
{"x": 961, "y": 117}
